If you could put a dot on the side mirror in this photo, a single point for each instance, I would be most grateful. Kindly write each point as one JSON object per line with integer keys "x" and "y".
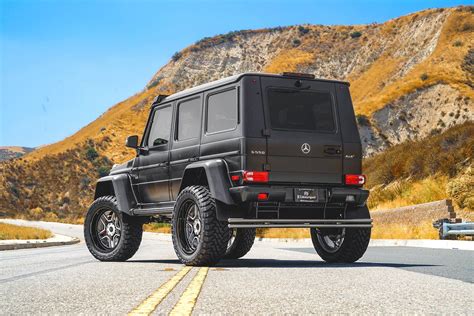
{"x": 132, "y": 142}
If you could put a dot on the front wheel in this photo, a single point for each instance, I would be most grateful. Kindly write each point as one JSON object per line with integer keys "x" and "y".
{"x": 111, "y": 235}
{"x": 199, "y": 238}
{"x": 343, "y": 245}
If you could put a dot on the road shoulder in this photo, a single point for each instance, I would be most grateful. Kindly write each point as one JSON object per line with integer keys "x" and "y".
{"x": 56, "y": 240}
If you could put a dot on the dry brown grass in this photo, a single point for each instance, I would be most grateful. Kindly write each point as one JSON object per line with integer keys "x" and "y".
{"x": 407, "y": 192}
{"x": 443, "y": 65}
{"x": 372, "y": 81}
{"x": 295, "y": 233}
{"x": 9, "y": 231}
{"x": 164, "y": 228}
{"x": 419, "y": 171}
{"x": 461, "y": 188}
{"x": 289, "y": 60}
{"x": 414, "y": 230}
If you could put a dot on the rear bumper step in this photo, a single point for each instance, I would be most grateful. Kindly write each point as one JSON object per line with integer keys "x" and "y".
{"x": 282, "y": 193}
{"x": 299, "y": 223}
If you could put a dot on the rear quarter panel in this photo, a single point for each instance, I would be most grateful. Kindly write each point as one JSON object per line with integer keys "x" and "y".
{"x": 352, "y": 147}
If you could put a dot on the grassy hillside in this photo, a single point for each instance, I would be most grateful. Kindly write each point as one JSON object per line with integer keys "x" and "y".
{"x": 435, "y": 168}
{"x": 411, "y": 77}
{"x": 10, "y": 152}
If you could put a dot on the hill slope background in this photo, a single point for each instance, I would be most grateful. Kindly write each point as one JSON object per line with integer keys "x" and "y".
{"x": 10, "y": 152}
{"x": 411, "y": 79}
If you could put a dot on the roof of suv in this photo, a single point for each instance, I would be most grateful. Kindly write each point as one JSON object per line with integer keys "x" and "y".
{"x": 231, "y": 79}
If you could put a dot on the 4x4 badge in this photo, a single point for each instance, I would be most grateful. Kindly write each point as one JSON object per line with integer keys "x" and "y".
{"x": 305, "y": 148}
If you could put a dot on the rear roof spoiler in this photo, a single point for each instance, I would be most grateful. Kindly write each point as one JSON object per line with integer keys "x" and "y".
{"x": 160, "y": 98}
{"x": 298, "y": 75}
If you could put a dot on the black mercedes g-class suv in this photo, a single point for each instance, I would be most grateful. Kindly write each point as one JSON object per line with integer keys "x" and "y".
{"x": 224, "y": 158}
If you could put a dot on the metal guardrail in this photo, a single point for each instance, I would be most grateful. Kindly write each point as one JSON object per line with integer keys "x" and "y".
{"x": 450, "y": 229}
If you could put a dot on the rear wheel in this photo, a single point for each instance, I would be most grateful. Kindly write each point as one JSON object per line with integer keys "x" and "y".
{"x": 111, "y": 235}
{"x": 199, "y": 238}
{"x": 240, "y": 242}
{"x": 344, "y": 244}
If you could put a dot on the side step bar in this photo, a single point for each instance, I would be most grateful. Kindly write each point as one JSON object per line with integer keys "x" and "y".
{"x": 152, "y": 211}
{"x": 299, "y": 223}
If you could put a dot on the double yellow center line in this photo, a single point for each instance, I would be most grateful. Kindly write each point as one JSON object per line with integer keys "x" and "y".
{"x": 187, "y": 300}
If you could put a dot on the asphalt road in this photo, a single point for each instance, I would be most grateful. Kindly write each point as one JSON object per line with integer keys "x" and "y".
{"x": 274, "y": 278}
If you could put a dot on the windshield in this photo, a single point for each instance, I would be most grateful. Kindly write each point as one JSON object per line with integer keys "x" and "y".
{"x": 292, "y": 109}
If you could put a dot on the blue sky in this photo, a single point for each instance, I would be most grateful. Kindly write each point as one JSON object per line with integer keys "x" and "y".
{"x": 63, "y": 63}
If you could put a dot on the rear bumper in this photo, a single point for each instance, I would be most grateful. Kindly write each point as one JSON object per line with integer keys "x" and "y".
{"x": 242, "y": 194}
{"x": 299, "y": 223}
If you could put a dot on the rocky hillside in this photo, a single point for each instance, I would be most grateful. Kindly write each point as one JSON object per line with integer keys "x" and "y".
{"x": 10, "y": 152}
{"x": 411, "y": 77}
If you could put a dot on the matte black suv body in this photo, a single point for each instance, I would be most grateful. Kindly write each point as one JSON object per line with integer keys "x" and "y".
{"x": 248, "y": 151}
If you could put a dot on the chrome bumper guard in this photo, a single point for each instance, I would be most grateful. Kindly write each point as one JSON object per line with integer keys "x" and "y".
{"x": 299, "y": 223}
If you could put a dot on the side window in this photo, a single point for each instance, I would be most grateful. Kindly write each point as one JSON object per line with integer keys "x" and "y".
{"x": 160, "y": 127}
{"x": 189, "y": 119}
{"x": 222, "y": 111}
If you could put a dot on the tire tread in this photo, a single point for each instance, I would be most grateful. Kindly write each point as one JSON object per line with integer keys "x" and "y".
{"x": 244, "y": 239}
{"x": 132, "y": 232}
{"x": 215, "y": 233}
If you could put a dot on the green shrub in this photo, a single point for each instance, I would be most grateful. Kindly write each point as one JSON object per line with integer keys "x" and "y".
{"x": 103, "y": 171}
{"x": 276, "y": 29}
{"x": 176, "y": 56}
{"x": 355, "y": 34}
{"x": 296, "y": 42}
{"x": 467, "y": 27}
{"x": 457, "y": 44}
{"x": 424, "y": 77}
{"x": 91, "y": 154}
{"x": 303, "y": 30}
{"x": 362, "y": 120}
{"x": 85, "y": 181}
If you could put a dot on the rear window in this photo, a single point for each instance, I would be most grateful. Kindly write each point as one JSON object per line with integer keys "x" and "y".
{"x": 222, "y": 110}
{"x": 301, "y": 110}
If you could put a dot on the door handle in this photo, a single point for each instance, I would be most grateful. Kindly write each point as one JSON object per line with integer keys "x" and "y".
{"x": 193, "y": 159}
{"x": 330, "y": 150}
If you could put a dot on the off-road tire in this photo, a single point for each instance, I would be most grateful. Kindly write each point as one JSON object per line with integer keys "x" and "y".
{"x": 131, "y": 232}
{"x": 214, "y": 234}
{"x": 356, "y": 240}
{"x": 243, "y": 242}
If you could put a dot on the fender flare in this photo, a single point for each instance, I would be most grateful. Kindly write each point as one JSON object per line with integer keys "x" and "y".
{"x": 217, "y": 177}
{"x": 120, "y": 186}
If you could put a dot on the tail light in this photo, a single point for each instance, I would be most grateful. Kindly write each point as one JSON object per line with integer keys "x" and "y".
{"x": 255, "y": 176}
{"x": 354, "y": 179}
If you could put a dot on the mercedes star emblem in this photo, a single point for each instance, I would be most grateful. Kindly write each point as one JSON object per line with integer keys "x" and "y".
{"x": 305, "y": 148}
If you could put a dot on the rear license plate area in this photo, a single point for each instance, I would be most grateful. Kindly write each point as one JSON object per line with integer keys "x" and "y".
{"x": 306, "y": 195}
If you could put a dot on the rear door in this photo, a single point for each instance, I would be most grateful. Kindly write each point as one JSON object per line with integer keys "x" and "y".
{"x": 187, "y": 133}
{"x": 305, "y": 144}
